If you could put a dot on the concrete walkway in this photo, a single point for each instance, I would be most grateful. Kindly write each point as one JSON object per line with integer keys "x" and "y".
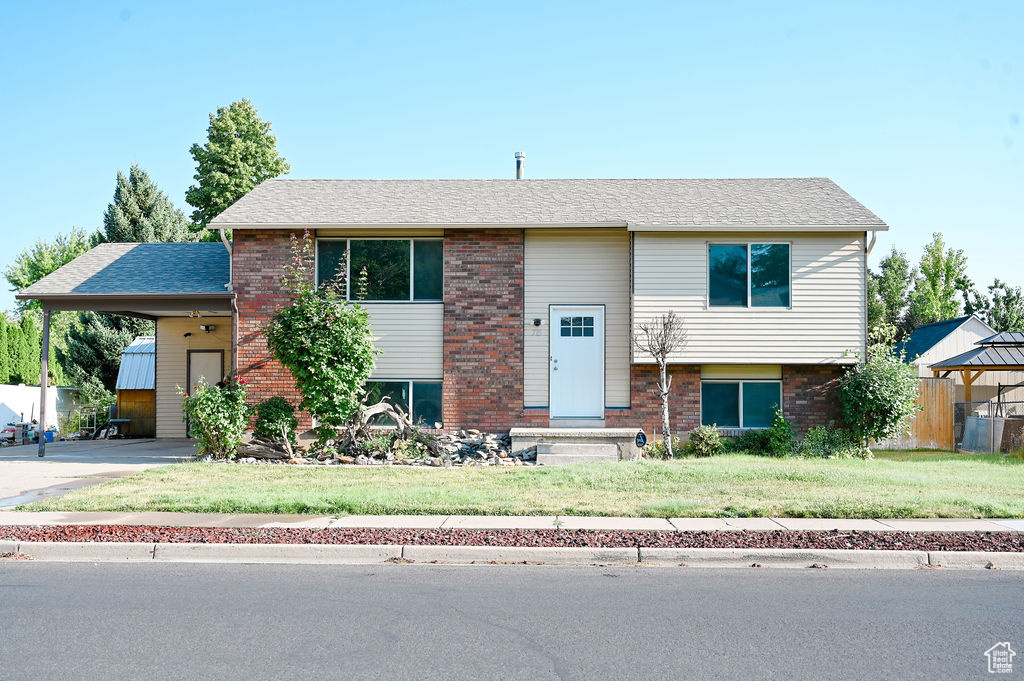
{"x": 24, "y": 477}
{"x": 507, "y": 522}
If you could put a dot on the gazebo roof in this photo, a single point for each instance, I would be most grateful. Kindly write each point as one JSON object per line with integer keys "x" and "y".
{"x": 1001, "y": 351}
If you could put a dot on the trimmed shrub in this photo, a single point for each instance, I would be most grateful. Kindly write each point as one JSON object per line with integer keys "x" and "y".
{"x": 217, "y": 416}
{"x": 879, "y": 395}
{"x": 271, "y": 415}
{"x": 750, "y": 442}
{"x": 830, "y": 442}
{"x": 779, "y": 436}
{"x": 704, "y": 441}
{"x": 656, "y": 449}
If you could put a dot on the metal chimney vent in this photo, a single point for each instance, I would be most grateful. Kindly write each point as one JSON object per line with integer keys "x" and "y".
{"x": 520, "y": 164}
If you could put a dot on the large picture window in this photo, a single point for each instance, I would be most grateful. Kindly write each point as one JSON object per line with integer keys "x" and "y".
{"x": 748, "y": 275}
{"x": 420, "y": 399}
{"x": 739, "y": 404}
{"x": 397, "y": 270}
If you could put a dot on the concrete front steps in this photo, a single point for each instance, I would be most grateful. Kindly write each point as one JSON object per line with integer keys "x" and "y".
{"x": 566, "y": 453}
{"x": 560, "y": 446}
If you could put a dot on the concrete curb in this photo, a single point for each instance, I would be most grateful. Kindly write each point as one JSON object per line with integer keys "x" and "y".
{"x": 973, "y": 560}
{"x": 276, "y": 553}
{"x": 518, "y": 554}
{"x": 363, "y": 554}
{"x": 776, "y": 558}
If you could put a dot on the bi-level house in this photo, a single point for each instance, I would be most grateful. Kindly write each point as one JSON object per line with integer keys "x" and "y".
{"x": 503, "y": 303}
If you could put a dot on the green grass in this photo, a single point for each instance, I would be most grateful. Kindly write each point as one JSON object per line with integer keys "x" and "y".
{"x": 894, "y": 485}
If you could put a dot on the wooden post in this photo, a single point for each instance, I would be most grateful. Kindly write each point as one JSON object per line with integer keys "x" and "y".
{"x": 44, "y": 379}
{"x": 969, "y": 378}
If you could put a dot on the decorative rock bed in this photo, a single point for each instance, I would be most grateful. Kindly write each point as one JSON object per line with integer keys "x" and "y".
{"x": 458, "y": 448}
{"x": 775, "y": 539}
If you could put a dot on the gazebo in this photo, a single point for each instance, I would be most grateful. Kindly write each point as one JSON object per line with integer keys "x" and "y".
{"x": 1001, "y": 352}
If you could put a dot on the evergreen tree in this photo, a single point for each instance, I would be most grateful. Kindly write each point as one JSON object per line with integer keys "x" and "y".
{"x": 94, "y": 347}
{"x": 141, "y": 212}
{"x": 5, "y": 351}
{"x": 19, "y": 353}
{"x": 30, "y": 366}
{"x": 239, "y": 154}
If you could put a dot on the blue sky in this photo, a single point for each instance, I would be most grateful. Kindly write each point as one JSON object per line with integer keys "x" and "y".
{"x": 914, "y": 108}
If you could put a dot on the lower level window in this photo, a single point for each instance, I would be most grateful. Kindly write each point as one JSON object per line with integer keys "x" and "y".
{"x": 420, "y": 399}
{"x": 739, "y": 404}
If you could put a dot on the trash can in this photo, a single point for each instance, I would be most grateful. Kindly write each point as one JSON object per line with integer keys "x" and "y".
{"x": 49, "y": 436}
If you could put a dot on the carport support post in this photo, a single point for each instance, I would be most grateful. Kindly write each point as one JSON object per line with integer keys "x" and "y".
{"x": 44, "y": 379}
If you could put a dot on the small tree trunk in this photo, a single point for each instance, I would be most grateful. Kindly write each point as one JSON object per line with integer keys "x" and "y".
{"x": 664, "y": 383}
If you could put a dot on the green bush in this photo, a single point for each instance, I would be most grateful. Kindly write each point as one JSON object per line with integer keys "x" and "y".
{"x": 325, "y": 342}
{"x": 879, "y": 395}
{"x": 779, "y": 436}
{"x": 656, "y": 449}
{"x": 217, "y": 416}
{"x": 830, "y": 442}
{"x": 271, "y": 415}
{"x": 749, "y": 441}
{"x": 703, "y": 441}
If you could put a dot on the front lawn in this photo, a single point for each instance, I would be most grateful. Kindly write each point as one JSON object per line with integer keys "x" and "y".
{"x": 894, "y": 485}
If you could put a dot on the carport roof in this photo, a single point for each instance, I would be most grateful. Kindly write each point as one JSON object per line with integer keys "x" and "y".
{"x": 131, "y": 269}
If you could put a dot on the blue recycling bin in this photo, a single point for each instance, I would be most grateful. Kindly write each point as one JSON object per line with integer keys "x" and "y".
{"x": 49, "y": 436}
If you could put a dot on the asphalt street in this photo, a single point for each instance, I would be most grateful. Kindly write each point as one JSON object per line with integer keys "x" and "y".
{"x": 196, "y": 621}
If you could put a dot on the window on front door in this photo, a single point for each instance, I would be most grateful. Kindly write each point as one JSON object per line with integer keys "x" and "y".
{"x": 397, "y": 270}
{"x": 749, "y": 275}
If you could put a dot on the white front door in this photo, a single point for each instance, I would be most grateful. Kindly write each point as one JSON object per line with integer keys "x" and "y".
{"x": 205, "y": 366}
{"x": 576, "y": 371}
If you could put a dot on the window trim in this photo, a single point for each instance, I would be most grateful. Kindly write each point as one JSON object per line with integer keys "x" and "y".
{"x": 738, "y": 242}
{"x": 739, "y": 382}
{"x": 412, "y": 266}
{"x": 412, "y": 397}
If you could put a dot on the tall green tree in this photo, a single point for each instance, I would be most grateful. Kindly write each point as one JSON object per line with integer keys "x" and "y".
{"x": 940, "y": 278}
{"x": 5, "y": 351}
{"x": 34, "y": 263}
{"x": 239, "y": 154}
{"x": 1002, "y": 308}
{"x": 889, "y": 293}
{"x": 141, "y": 212}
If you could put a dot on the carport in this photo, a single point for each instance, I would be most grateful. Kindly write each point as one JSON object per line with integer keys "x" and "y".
{"x": 177, "y": 285}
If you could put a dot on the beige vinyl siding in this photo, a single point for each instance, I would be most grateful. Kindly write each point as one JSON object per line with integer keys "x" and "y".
{"x": 410, "y": 336}
{"x": 582, "y": 267}
{"x": 827, "y": 317}
{"x": 171, "y": 363}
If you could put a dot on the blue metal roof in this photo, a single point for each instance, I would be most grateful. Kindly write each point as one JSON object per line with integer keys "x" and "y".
{"x": 927, "y": 336}
{"x": 138, "y": 365}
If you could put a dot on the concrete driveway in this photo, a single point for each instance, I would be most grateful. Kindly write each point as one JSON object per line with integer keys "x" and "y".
{"x": 25, "y": 478}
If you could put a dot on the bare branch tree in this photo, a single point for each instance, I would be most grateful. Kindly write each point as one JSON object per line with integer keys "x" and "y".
{"x": 660, "y": 339}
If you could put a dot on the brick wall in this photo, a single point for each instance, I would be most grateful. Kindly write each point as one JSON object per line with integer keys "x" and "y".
{"x": 483, "y": 329}
{"x": 809, "y": 396}
{"x": 258, "y": 259}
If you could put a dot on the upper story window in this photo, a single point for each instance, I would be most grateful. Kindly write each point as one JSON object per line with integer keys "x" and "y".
{"x": 749, "y": 275}
{"x": 397, "y": 270}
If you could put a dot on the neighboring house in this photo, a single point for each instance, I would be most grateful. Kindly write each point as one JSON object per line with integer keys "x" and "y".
{"x": 931, "y": 343}
{"x": 136, "y": 387}
{"x": 499, "y": 303}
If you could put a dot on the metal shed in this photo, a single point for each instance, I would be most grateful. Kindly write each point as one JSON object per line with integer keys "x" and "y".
{"x": 136, "y": 387}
